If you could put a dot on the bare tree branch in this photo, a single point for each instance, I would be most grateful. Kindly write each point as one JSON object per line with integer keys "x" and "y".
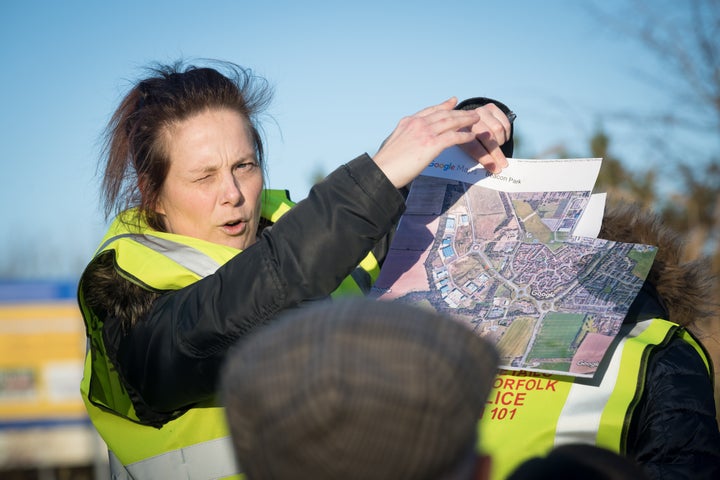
{"x": 687, "y": 44}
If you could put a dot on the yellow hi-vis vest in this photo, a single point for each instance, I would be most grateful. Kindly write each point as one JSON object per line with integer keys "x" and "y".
{"x": 528, "y": 413}
{"x": 195, "y": 445}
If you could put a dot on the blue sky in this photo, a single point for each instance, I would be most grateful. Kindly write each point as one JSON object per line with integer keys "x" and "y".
{"x": 344, "y": 73}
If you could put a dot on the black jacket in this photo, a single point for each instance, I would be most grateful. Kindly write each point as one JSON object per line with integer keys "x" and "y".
{"x": 170, "y": 357}
{"x": 673, "y": 431}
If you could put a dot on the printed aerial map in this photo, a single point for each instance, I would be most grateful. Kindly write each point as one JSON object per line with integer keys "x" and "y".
{"x": 508, "y": 265}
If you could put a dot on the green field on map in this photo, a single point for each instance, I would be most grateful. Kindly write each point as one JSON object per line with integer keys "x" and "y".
{"x": 557, "y": 335}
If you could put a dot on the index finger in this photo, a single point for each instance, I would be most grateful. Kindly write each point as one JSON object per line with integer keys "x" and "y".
{"x": 448, "y": 104}
{"x": 488, "y": 154}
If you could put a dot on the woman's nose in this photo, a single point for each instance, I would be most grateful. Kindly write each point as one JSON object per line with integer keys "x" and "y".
{"x": 231, "y": 190}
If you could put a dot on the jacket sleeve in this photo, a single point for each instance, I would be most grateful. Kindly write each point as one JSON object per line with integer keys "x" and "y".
{"x": 674, "y": 433}
{"x": 171, "y": 358}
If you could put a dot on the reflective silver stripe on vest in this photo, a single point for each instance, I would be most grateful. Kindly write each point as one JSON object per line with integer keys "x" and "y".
{"x": 117, "y": 469}
{"x": 189, "y": 257}
{"x": 580, "y": 417}
{"x": 203, "y": 461}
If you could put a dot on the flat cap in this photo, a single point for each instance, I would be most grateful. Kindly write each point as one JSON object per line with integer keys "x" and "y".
{"x": 356, "y": 389}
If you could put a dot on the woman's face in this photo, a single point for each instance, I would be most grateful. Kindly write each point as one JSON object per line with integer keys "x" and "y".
{"x": 212, "y": 190}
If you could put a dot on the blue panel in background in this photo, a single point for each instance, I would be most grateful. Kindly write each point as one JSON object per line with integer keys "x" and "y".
{"x": 37, "y": 290}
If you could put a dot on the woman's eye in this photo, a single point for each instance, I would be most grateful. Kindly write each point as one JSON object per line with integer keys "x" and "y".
{"x": 246, "y": 166}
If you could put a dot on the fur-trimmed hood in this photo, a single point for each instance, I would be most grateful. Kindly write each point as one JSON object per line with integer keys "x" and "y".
{"x": 686, "y": 288}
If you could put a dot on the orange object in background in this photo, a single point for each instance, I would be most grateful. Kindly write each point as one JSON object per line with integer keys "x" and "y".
{"x": 43, "y": 422}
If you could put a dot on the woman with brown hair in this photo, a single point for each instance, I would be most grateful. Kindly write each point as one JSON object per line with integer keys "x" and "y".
{"x": 190, "y": 263}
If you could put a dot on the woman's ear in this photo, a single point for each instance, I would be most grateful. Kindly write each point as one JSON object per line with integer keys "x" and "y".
{"x": 142, "y": 182}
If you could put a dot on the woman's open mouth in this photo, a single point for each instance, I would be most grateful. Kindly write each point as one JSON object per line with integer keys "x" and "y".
{"x": 236, "y": 227}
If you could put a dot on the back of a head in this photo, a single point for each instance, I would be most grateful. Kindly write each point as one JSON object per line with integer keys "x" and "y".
{"x": 357, "y": 389}
{"x": 573, "y": 461}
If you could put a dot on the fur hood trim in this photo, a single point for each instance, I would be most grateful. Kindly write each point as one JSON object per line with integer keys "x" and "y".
{"x": 686, "y": 288}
